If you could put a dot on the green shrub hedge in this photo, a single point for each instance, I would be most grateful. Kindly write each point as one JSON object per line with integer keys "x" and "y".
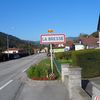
{"x": 42, "y": 70}
{"x": 39, "y": 70}
{"x": 89, "y": 61}
{"x": 63, "y": 55}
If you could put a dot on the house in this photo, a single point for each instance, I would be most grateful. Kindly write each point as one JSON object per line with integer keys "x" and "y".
{"x": 79, "y": 47}
{"x": 67, "y": 48}
{"x": 11, "y": 51}
{"x": 58, "y": 45}
{"x": 70, "y": 45}
{"x": 89, "y": 42}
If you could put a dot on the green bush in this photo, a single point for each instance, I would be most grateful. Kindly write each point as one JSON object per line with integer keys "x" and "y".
{"x": 41, "y": 70}
{"x": 59, "y": 55}
{"x": 64, "y": 61}
{"x": 89, "y": 61}
{"x": 63, "y": 55}
{"x": 68, "y": 55}
{"x": 37, "y": 71}
{"x": 30, "y": 72}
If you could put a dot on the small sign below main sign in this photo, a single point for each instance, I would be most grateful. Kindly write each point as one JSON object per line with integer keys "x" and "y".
{"x": 95, "y": 98}
{"x": 53, "y": 39}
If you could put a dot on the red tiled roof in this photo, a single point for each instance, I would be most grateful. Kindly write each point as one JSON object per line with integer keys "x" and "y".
{"x": 13, "y": 49}
{"x": 70, "y": 43}
{"x": 89, "y": 41}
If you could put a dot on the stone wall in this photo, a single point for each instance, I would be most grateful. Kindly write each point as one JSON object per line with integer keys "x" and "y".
{"x": 71, "y": 77}
{"x": 95, "y": 90}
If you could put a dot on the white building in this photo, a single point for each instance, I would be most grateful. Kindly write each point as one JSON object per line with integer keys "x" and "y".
{"x": 79, "y": 47}
{"x": 67, "y": 48}
{"x": 11, "y": 51}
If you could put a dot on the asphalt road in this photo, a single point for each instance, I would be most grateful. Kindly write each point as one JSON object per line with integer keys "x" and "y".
{"x": 12, "y": 71}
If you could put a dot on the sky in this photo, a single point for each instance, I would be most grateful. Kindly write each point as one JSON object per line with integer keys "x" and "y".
{"x": 28, "y": 19}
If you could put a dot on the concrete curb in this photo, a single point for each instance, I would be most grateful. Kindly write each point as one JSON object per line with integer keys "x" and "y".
{"x": 79, "y": 94}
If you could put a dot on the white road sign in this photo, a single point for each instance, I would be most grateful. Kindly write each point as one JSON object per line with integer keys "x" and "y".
{"x": 53, "y": 39}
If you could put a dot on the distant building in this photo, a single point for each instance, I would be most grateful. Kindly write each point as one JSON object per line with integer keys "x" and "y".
{"x": 46, "y": 49}
{"x": 67, "y": 48}
{"x": 70, "y": 45}
{"x": 89, "y": 42}
{"x": 11, "y": 51}
{"x": 58, "y": 45}
{"x": 79, "y": 47}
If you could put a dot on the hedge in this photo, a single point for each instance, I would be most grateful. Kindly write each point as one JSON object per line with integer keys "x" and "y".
{"x": 39, "y": 70}
{"x": 42, "y": 70}
{"x": 63, "y": 55}
{"x": 89, "y": 61}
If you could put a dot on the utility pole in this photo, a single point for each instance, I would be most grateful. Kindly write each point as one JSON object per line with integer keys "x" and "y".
{"x": 8, "y": 47}
{"x": 29, "y": 48}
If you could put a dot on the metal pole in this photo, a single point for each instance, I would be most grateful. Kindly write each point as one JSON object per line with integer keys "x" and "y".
{"x": 50, "y": 32}
{"x": 51, "y": 57}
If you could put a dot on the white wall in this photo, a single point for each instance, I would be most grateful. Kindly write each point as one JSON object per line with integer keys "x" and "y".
{"x": 67, "y": 48}
{"x": 79, "y": 47}
{"x": 11, "y": 51}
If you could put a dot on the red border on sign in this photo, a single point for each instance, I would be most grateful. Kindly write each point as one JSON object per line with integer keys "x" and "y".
{"x": 52, "y": 42}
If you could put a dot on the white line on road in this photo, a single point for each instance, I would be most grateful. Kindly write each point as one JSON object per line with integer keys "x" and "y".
{"x": 24, "y": 70}
{"x": 6, "y": 84}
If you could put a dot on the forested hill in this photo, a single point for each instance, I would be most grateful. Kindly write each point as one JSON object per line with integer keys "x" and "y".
{"x": 14, "y": 42}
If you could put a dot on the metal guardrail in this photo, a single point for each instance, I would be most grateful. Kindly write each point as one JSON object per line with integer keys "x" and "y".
{"x": 58, "y": 65}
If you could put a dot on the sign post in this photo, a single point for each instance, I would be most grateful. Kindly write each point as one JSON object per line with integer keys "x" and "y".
{"x": 52, "y": 39}
{"x": 50, "y": 31}
{"x": 51, "y": 57}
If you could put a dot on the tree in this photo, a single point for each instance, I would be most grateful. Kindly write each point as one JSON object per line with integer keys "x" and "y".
{"x": 95, "y": 34}
{"x": 83, "y": 35}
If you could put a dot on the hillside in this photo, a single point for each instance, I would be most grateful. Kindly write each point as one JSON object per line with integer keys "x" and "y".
{"x": 72, "y": 38}
{"x": 15, "y": 42}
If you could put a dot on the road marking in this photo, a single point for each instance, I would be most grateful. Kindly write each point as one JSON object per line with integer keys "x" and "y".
{"x": 6, "y": 84}
{"x": 24, "y": 70}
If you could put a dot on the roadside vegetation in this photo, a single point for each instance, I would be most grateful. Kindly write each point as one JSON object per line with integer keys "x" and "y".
{"x": 42, "y": 71}
{"x": 88, "y": 60}
{"x": 64, "y": 57}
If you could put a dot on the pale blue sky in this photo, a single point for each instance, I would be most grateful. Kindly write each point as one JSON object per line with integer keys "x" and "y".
{"x": 28, "y": 19}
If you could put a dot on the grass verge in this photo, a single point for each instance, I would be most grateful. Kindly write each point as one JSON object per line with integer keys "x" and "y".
{"x": 42, "y": 70}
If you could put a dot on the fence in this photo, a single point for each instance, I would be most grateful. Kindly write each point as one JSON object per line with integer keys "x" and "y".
{"x": 58, "y": 65}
